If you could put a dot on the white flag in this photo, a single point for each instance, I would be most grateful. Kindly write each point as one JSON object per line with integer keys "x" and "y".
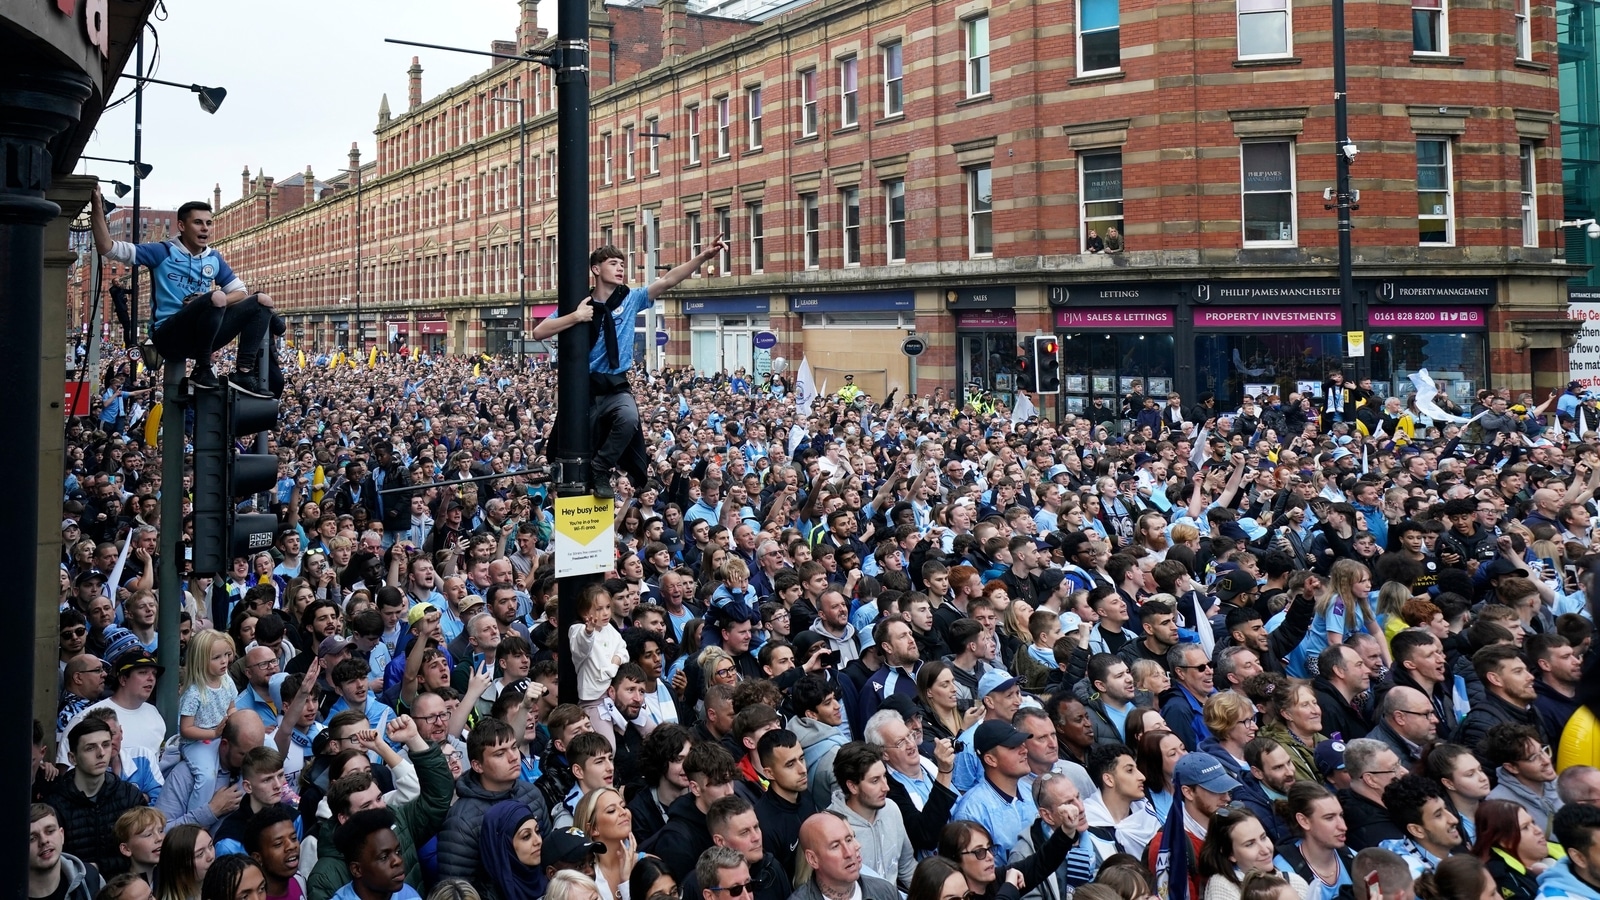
{"x": 1426, "y": 391}
{"x": 805, "y": 388}
{"x": 1023, "y": 410}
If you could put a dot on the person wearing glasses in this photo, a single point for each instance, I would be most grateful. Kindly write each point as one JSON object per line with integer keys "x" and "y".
{"x": 260, "y": 664}
{"x": 1525, "y": 767}
{"x": 1373, "y": 766}
{"x": 1182, "y": 706}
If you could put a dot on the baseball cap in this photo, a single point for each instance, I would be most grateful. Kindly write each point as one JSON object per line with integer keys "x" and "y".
{"x": 1341, "y": 453}
{"x": 1057, "y": 469}
{"x": 68, "y": 523}
{"x": 418, "y": 611}
{"x": 471, "y": 601}
{"x": 331, "y": 645}
{"x": 994, "y": 680}
{"x": 1141, "y": 458}
{"x": 568, "y": 846}
{"x": 1049, "y": 579}
{"x": 1330, "y": 757}
{"x": 1233, "y": 584}
{"x": 137, "y": 659}
{"x": 1203, "y": 770}
{"x": 1503, "y": 566}
{"x": 901, "y": 704}
{"x": 88, "y": 575}
{"x": 999, "y": 734}
{"x": 865, "y": 641}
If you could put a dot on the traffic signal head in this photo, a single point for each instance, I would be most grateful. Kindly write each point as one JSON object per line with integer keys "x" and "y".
{"x": 223, "y": 476}
{"x": 1047, "y": 364}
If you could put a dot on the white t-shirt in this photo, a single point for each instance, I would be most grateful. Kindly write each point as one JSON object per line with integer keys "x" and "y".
{"x": 142, "y": 727}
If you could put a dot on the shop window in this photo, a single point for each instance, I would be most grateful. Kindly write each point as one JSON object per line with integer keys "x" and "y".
{"x": 894, "y": 98}
{"x": 1232, "y": 365}
{"x": 1101, "y": 193}
{"x": 1099, "y": 369}
{"x": 1099, "y": 36}
{"x": 1457, "y": 362}
{"x": 1263, "y": 28}
{"x": 1267, "y": 170}
{"x": 1435, "y": 220}
{"x": 1428, "y": 34}
{"x": 980, "y": 212}
{"x": 977, "y": 49}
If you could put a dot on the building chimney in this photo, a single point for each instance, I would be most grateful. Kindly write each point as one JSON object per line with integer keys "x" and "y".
{"x": 311, "y": 187}
{"x": 355, "y": 162}
{"x": 674, "y": 28}
{"x": 216, "y": 197}
{"x": 414, "y": 93}
{"x": 244, "y": 182}
{"x": 528, "y": 27}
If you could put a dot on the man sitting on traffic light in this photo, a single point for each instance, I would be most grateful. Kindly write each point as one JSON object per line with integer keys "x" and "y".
{"x": 199, "y": 304}
{"x": 610, "y": 310}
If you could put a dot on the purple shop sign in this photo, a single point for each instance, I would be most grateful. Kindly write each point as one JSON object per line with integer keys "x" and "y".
{"x": 1002, "y": 318}
{"x": 1133, "y": 317}
{"x": 1237, "y": 317}
{"x": 1426, "y": 316}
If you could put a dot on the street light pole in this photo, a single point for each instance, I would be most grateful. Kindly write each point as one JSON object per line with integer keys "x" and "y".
{"x": 522, "y": 207}
{"x": 1352, "y": 313}
{"x": 138, "y": 160}
{"x": 360, "y": 327}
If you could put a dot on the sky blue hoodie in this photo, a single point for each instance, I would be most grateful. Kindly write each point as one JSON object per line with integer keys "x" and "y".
{"x": 348, "y": 892}
{"x": 1559, "y": 883}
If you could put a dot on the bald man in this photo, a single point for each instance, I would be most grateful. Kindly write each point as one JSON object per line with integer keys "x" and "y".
{"x": 831, "y": 850}
{"x": 83, "y": 682}
{"x": 241, "y": 734}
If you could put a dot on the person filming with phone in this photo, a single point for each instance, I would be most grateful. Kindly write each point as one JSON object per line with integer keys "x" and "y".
{"x": 610, "y": 311}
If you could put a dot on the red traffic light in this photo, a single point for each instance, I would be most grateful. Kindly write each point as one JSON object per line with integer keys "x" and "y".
{"x": 1047, "y": 346}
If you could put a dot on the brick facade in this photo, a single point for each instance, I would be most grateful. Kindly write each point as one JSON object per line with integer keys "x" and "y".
{"x": 440, "y": 227}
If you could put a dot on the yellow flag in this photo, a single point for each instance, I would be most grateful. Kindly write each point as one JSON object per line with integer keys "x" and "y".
{"x": 352, "y": 361}
{"x": 333, "y": 360}
{"x": 477, "y": 370}
{"x": 302, "y": 360}
{"x": 138, "y": 368}
{"x": 487, "y": 358}
{"x": 152, "y": 425}
{"x": 372, "y": 358}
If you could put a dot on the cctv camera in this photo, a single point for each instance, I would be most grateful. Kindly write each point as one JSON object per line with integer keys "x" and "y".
{"x": 1350, "y": 150}
{"x": 1594, "y": 230}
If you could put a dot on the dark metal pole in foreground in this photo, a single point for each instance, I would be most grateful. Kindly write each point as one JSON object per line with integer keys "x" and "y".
{"x": 137, "y": 236}
{"x": 173, "y": 407}
{"x": 1352, "y": 315}
{"x": 572, "y": 450}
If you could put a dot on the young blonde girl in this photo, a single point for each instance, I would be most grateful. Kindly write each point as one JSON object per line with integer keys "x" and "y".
{"x": 206, "y": 697}
{"x": 597, "y": 652}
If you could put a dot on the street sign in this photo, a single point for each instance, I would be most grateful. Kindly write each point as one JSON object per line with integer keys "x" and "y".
{"x": 765, "y": 340}
{"x": 661, "y": 339}
{"x": 583, "y": 544}
{"x": 77, "y": 395}
{"x": 913, "y": 346}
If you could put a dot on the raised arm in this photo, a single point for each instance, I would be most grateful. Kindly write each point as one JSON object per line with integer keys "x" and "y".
{"x": 675, "y": 276}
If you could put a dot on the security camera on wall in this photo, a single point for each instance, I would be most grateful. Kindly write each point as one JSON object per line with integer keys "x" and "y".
{"x": 1350, "y": 150}
{"x": 1593, "y": 230}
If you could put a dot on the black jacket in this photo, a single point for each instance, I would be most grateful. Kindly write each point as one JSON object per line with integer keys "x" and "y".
{"x": 1484, "y": 716}
{"x": 1512, "y": 884}
{"x": 647, "y": 815}
{"x": 1340, "y": 720}
{"x": 1554, "y": 709}
{"x": 780, "y": 823}
{"x": 1368, "y": 823}
{"x": 90, "y": 822}
{"x": 774, "y": 883}
{"x": 685, "y": 837}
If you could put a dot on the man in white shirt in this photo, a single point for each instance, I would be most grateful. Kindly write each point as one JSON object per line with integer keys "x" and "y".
{"x": 135, "y": 672}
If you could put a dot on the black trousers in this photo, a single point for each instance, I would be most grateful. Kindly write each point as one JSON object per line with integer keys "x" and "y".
{"x": 200, "y": 329}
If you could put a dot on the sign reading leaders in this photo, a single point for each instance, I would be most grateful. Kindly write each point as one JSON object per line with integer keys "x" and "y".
{"x": 583, "y": 536}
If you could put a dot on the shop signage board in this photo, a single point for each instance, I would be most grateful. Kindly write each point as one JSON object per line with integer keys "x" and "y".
{"x": 583, "y": 541}
{"x": 1583, "y": 363}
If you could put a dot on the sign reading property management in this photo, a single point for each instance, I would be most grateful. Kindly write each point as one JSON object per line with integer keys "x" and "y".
{"x": 583, "y": 543}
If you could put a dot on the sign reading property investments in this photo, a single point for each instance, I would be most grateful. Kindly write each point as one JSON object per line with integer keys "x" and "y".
{"x": 583, "y": 541}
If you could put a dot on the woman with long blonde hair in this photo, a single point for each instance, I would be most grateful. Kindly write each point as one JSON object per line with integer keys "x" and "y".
{"x": 603, "y": 815}
{"x": 1343, "y": 609}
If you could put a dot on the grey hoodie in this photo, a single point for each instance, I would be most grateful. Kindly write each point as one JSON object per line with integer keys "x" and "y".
{"x": 820, "y": 743}
{"x": 885, "y": 846}
{"x": 83, "y": 883}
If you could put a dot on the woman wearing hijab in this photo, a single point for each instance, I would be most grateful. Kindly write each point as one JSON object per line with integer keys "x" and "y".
{"x": 510, "y": 848}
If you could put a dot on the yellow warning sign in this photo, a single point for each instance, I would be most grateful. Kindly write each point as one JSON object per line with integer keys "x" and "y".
{"x": 582, "y": 540}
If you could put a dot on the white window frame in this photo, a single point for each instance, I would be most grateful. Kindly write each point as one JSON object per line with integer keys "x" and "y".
{"x": 1294, "y": 213}
{"x": 894, "y": 225}
{"x": 653, "y": 126}
{"x": 850, "y": 220}
{"x": 724, "y": 126}
{"x": 1528, "y": 172}
{"x": 1449, "y": 215}
{"x": 1441, "y": 19}
{"x": 1082, "y": 70}
{"x": 693, "y": 114}
{"x": 1524, "y": 27}
{"x": 724, "y": 218}
{"x": 605, "y": 153}
{"x": 894, "y": 79}
{"x": 808, "y": 102}
{"x": 974, "y": 178}
{"x": 1286, "y": 11}
{"x": 755, "y": 214}
{"x": 811, "y": 231}
{"x": 752, "y": 104}
{"x": 1086, "y": 221}
{"x": 849, "y": 91}
{"x": 630, "y": 150}
{"x": 978, "y": 75}
{"x": 696, "y": 235}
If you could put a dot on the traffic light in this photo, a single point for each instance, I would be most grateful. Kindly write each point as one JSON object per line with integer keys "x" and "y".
{"x": 223, "y": 476}
{"x": 1047, "y": 364}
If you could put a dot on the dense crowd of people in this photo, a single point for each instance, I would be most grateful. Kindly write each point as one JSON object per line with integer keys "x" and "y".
{"x": 1311, "y": 647}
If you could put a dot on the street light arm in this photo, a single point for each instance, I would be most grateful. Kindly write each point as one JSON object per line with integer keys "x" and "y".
{"x": 544, "y": 56}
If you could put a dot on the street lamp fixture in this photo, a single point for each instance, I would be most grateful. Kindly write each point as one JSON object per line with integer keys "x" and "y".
{"x": 210, "y": 97}
{"x": 140, "y": 169}
{"x": 118, "y": 186}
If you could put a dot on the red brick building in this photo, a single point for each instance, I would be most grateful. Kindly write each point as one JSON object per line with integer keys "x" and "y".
{"x": 157, "y": 225}
{"x": 937, "y": 166}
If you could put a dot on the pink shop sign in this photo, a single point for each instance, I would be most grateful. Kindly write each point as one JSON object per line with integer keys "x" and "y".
{"x": 1266, "y": 318}
{"x": 1114, "y": 318}
{"x": 1428, "y": 316}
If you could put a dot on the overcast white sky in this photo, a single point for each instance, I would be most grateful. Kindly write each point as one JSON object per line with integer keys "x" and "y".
{"x": 304, "y": 79}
